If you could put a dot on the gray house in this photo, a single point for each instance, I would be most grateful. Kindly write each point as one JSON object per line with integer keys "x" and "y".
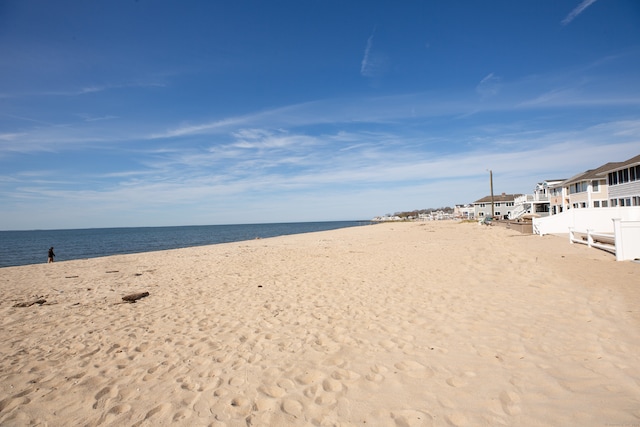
{"x": 502, "y": 205}
{"x": 623, "y": 182}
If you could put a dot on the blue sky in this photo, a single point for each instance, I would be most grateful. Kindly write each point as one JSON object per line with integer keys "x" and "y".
{"x": 136, "y": 113}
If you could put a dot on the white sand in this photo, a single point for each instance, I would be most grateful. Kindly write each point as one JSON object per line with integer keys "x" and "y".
{"x": 402, "y": 324}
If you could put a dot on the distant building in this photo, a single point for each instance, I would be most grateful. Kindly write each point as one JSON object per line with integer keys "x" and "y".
{"x": 464, "y": 211}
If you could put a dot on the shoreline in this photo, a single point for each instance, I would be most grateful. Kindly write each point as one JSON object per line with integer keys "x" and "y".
{"x": 402, "y": 323}
{"x": 23, "y": 247}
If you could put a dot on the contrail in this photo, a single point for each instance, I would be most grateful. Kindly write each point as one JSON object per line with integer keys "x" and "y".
{"x": 577, "y": 11}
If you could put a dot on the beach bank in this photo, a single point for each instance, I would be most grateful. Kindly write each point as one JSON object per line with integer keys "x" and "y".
{"x": 399, "y": 324}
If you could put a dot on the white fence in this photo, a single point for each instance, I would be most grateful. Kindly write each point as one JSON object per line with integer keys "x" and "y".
{"x": 612, "y": 229}
{"x": 596, "y": 219}
{"x": 627, "y": 239}
{"x": 604, "y": 241}
{"x": 624, "y": 242}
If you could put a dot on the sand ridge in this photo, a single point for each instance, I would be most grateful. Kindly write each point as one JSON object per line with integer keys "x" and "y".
{"x": 400, "y": 324}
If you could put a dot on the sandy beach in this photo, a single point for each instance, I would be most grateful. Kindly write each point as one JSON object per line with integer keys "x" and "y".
{"x": 395, "y": 324}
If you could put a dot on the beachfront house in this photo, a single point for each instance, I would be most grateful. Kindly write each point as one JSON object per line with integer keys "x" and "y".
{"x": 538, "y": 203}
{"x": 466, "y": 211}
{"x": 503, "y": 204}
{"x": 600, "y": 208}
{"x": 588, "y": 189}
{"x": 557, "y": 195}
{"x": 623, "y": 181}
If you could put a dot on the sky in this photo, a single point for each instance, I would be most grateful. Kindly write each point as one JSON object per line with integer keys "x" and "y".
{"x": 159, "y": 113}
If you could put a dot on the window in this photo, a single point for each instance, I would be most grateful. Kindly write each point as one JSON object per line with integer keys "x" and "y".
{"x": 482, "y": 205}
{"x": 497, "y": 204}
{"x": 605, "y": 203}
{"x": 583, "y": 205}
{"x": 595, "y": 186}
{"x": 623, "y": 176}
{"x": 614, "y": 203}
{"x": 596, "y": 203}
{"x": 497, "y": 213}
{"x": 578, "y": 187}
{"x": 636, "y": 200}
{"x": 613, "y": 178}
{"x": 509, "y": 203}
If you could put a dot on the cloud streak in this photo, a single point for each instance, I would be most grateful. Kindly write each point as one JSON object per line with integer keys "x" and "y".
{"x": 368, "y": 65}
{"x": 577, "y": 11}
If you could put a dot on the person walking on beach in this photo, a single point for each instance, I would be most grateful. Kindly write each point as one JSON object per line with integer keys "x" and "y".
{"x": 51, "y": 254}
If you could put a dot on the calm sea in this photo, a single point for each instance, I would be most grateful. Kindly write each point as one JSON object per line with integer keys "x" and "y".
{"x": 30, "y": 247}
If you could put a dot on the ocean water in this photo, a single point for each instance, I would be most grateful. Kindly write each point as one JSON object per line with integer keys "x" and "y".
{"x": 30, "y": 247}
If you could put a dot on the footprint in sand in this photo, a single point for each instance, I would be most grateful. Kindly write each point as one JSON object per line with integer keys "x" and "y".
{"x": 411, "y": 418}
{"x": 8, "y": 404}
{"x": 182, "y": 415}
{"x": 510, "y": 402}
{"x": 272, "y": 391}
{"x": 414, "y": 369}
{"x": 158, "y": 411}
{"x": 460, "y": 381}
{"x": 103, "y": 396}
{"x": 120, "y": 409}
{"x": 292, "y": 407}
{"x": 456, "y": 382}
{"x": 331, "y": 385}
{"x": 376, "y": 374}
{"x": 457, "y": 419}
{"x": 310, "y": 377}
{"x": 286, "y": 384}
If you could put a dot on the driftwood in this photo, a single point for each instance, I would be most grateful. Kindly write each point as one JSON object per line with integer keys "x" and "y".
{"x": 134, "y": 297}
{"x": 30, "y": 303}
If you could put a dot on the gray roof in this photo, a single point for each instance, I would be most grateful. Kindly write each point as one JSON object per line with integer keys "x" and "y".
{"x": 498, "y": 198}
{"x": 591, "y": 174}
{"x": 621, "y": 165}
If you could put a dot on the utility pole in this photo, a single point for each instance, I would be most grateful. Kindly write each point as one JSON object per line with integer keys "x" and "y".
{"x": 491, "y": 183}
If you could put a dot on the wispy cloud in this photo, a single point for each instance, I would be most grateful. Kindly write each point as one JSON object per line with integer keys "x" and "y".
{"x": 577, "y": 11}
{"x": 186, "y": 129}
{"x": 489, "y": 86}
{"x": 90, "y": 118}
{"x": 90, "y": 89}
{"x": 365, "y": 65}
{"x": 373, "y": 63}
{"x": 10, "y": 136}
{"x": 280, "y": 169}
{"x": 554, "y": 96}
